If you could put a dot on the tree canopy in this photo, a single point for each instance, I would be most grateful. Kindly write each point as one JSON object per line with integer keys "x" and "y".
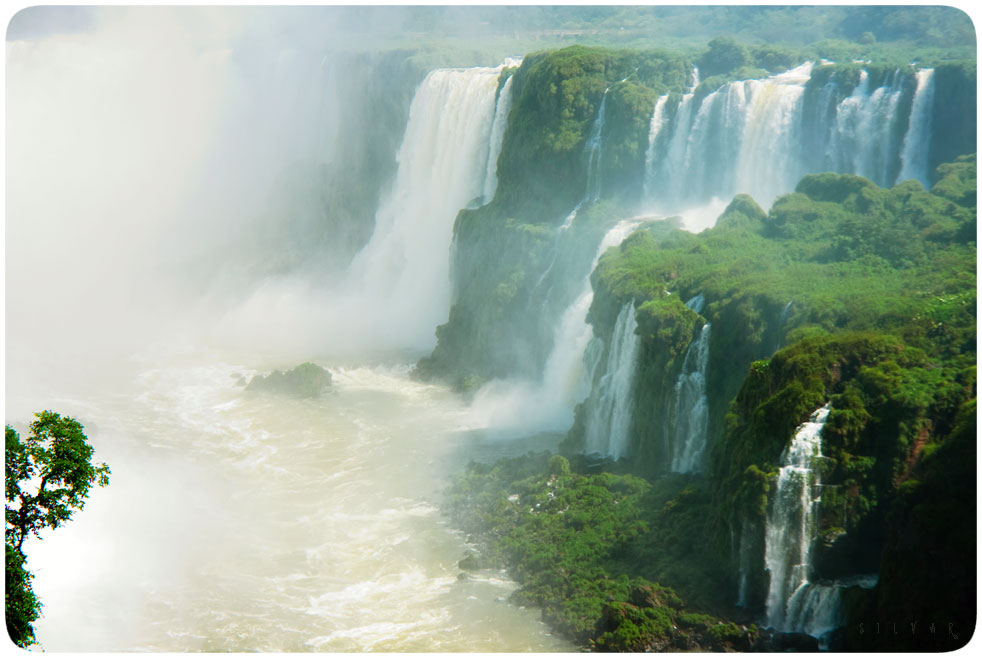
{"x": 47, "y": 478}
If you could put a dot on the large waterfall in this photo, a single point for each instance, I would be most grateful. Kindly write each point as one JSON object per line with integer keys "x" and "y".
{"x": 791, "y": 529}
{"x": 608, "y": 421}
{"x": 758, "y": 137}
{"x": 443, "y": 165}
{"x": 860, "y": 141}
{"x": 740, "y": 138}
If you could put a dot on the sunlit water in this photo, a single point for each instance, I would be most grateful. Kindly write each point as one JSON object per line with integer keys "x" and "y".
{"x": 242, "y": 522}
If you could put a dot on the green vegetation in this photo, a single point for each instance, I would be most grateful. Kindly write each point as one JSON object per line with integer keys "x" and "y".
{"x": 846, "y": 254}
{"x": 574, "y": 542}
{"x": 513, "y": 279}
{"x": 843, "y": 293}
{"x": 541, "y": 171}
{"x": 308, "y": 380}
{"x": 845, "y": 31}
{"x": 505, "y": 252}
{"x": 47, "y": 478}
{"x": 881, "y": 324}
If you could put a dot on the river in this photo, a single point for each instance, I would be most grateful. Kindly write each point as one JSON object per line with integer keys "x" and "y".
{"x": 237, "y": 521}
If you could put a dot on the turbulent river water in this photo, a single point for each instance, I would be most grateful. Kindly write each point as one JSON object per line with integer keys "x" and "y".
{"x": 244, "y": 522}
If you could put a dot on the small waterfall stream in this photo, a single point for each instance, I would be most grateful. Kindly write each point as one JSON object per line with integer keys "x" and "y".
{"x": 498, "y": 126}
{"x": 609, "y": 414}
{"x": 791, "y": 529}
{"x": 917, "y": 142}
{"x": 568, "y": 373}
{"x": 594, "y": 152}
{"x": 691, "y": 413}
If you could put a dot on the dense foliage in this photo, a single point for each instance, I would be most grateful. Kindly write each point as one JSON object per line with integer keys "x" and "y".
{"x": 47, "y": 478}
{"x": 512, "y": 253}
{"x": 838, "y": 254}
{"x": 844, "y": 293}
{"x": 541, "y": 171}
{"x": 574, "y": 542}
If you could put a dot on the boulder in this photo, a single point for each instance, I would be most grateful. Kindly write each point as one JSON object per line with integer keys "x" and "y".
{"x": 307, "y": 380}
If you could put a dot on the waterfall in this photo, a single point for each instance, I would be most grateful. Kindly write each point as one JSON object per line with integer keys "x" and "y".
{"x": 654, "y": 130}
{"x": 862, "y": 141}
{"x": 501, "y": 110}
{"x": 564, "y": 371}
{"x": 671, "y": 163}
{"x": 781, "y": 320}
{"x": 609, "y": 415}
{"x": 816, "y": 608}
{"x": 594, "y": 154}
{"x": 769, "y": 155}
{"x": 917, "y": 143}
{"x": 691, "y": 413}
{"x": 791, "y": 530}
{"x": 569, "y": 370}
{"x": 740, "y": 138}
{"x": 760, "y": 137}
{"x": 442, "y": 165}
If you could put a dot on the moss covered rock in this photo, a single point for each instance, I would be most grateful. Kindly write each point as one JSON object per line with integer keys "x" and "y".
{"x": 308, "y": 380}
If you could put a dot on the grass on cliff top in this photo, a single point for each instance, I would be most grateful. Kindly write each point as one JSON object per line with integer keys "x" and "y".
{"x": 846, "y": 254}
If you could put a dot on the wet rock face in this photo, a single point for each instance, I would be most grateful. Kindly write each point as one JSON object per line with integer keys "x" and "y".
{"x": 307, "y": 380}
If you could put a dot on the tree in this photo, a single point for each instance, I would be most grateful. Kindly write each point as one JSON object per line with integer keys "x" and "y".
{"x": 725, "y": 54}
{"x": 22, "y": 604}
{"x": 47, "y": 478}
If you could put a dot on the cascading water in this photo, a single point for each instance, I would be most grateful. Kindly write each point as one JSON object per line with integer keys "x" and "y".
{"x": 816, "y": 608}
{"x": 654, "y": 130}
{"x": 738, "y": 138}
{"x": 566, "y": 378}
{"x": 609, "y": 414}
{"x": 790, "y": 530}
{"x": 917, "y": 143}
{"x": 594, "y": 152}
{"x": 501, "y": 110}
{"x": 691, "y": 412}
{"x": 781, "y": 320}
{"x": 861, "y": 141}
{"x": 443, "y": 164}
{"x": 757, "y": 137}
{"x": 696, "y": 303}
{"x": 235, "y": 522}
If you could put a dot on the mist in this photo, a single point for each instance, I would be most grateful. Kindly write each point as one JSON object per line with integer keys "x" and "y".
{"x": 197, "y": 196}
{"x": 143, "y": 152}
{"x": 168, "y": 237}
